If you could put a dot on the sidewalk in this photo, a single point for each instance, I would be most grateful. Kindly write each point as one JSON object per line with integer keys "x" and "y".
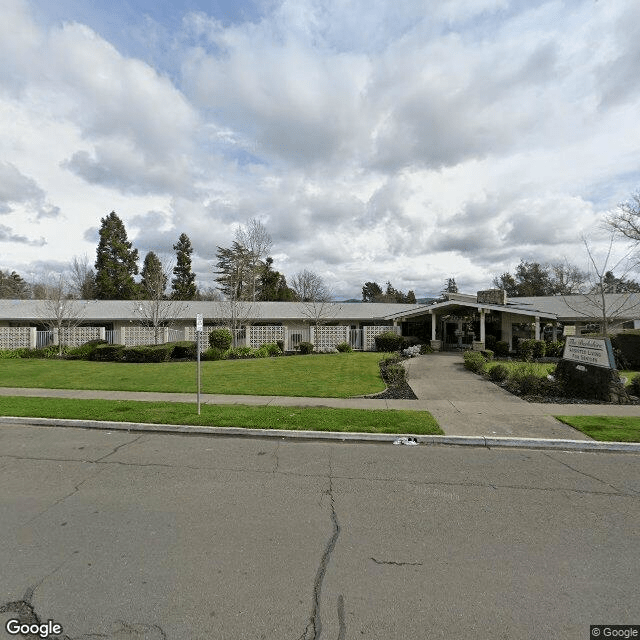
{"x": 463, "y": 403}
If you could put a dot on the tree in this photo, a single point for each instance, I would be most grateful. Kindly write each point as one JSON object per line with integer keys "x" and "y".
{"x": 154, "y": 278}
{"x": 450, "y": 286}
{"x": 257, "y": 243}
{"x": 273, "y": 285}
{"x": 234, "y": 272}
{"x": 371, "y": 292}
{"x": 82, "y": 279}
{"x": 567, "y": 279}
{"x": 116, "y": 262}
{"x": 183, "y": 284}
{"x": 13, "y": 286}
{"x": 507, "y": 282}
{"x": 310, "y": 288}
{"x": 627, "y": 219}
{"x": 536, "y": 279}
{"x": 58, "y": 311}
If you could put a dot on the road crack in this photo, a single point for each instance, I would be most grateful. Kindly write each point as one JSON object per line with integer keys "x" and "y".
{"x": 397, "y": 564}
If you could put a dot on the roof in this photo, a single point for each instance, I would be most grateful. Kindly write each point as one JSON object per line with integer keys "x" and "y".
{"x": 108, "y": 310}
{"x": 622, "y": 306}
{"x": 468, "y": 304}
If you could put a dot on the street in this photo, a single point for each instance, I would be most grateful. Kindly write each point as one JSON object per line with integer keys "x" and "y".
{"x": 129, "y": 536}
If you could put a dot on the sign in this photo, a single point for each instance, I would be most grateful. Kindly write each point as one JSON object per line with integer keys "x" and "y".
{"x": 199, "y": 323}
{"x": 594, "y": 351}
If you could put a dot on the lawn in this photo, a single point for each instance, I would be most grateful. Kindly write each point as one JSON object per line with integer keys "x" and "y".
{"x": 606, "y": 428}
{"x": 339, "y": 375}
{"x": 291, "y": 418}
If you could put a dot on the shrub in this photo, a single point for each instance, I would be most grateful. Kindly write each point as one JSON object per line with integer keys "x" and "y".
{"x": 8, "y": 354}
{"x": 488, "y": 354}
{"x": 554, "y": 349}
{"x": 185, "y": 349}
{"x": 474, "y": 361}
{"x": 635, "y": 385}
{"x": 490, "y": 342}
{"x": 628, "y": 343}
{"x": 501, "y": 349}
{"x": 411, "y": 352}
{"x": 410, "y": 341}
{"x": 271, "y": 350}
{"x": 388, "y": 341}
{"x": 220, "y": 339}
{"x": 280, "y": 344}
{"x": 499, "y": 373}
{"x": 392, "y": 372}
{"x": 241, "y": 353}
{"x": 525, "y": 349}
{"x": 425, "y": 348}
{"x": 147, "y": 353}
{"x": 539, "y": 349}
{"x": 305, "y": 348}
{"x": 84, "y": 351}
{"x": 344, "y": 347}
{"x": 525, "y": 379}
{"x": 212, "y": 353}
{"x": 108, "y": 353}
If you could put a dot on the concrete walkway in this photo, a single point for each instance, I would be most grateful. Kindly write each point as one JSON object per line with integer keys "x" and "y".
{"x": 462, "y": 402}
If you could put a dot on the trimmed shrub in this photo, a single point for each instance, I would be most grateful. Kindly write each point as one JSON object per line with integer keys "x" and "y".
{"x": 213, "y": 354}
{"x": 388, "y": 341}
{"x": 305, "y": 348}
{"x": 474, "y": 361}
{"x": 501, "y": 349}
{"x": 84, "y": 351}
{"x": 108, "y": 353}
{"x": 488, "y": 354}
{"x": 499, "y": 373}
{"x": 526, "y": 349}
{"x": 628, "y": 343}
{"x": 184, "y": 350}
{"x": 539, "y": 349}
{"x": 271, "y": 350}
{"x": 392, "y": 371}
{"x": 147, "y": 353}
{"x": 10, "y": 354}
{"x": 344, "y": 347}
{"x": 241, "y": 353}
{"x": 635, "y": 385}
{"x": 425, "y": 349}
{"x": 220, "y": 339}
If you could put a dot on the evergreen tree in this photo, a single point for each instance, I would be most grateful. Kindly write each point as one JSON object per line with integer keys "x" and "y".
{"x": 450, "y": 286}
{"x": 13, "y": 286}
{"x": 273, "y": 285}
{"x": 371, "y": 292}
{"x": 154, "y": 279}
{"x": 116, "y": 262}
{"x": 235, "y": 272}
{"x": 183, "y": 285}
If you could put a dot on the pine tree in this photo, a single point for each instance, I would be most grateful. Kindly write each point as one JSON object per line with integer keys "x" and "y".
{"x": 116, "y": 262}
{"x": 183, "y": 285}
{"x": 154, "y": 280}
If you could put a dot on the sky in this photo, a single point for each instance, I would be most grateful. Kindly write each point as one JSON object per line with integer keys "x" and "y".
{"x": 408, "y": 142}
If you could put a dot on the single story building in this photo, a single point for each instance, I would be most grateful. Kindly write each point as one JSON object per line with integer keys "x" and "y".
{"x": 457, "y": 321}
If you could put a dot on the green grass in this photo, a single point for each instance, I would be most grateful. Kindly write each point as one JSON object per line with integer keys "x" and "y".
{"x": 606, "y": 428}
{"x": 293, "y": 418}
{"x": 339, "y": 375}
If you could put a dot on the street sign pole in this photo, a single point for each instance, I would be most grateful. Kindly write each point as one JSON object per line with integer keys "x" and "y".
{"x": 199, "y": 328}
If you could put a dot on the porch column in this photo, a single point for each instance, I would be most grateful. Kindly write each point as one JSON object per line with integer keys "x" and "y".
{"x": 482, "y": 326}
{"x": 433, "y": 325}
{"x": 537, "y": 328}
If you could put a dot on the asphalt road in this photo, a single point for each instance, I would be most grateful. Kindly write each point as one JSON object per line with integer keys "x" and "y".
{"x": 124, "y": 536}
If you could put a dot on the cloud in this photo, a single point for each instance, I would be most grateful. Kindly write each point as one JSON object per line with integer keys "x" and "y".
{"x": 16, "y": 188}
{"x": 7, "y": 235}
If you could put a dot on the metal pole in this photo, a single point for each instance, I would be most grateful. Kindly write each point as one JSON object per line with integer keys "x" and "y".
{"x": 199, "y": 333}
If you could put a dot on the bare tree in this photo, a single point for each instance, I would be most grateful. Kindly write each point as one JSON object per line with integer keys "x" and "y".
{"x": 257, "y": 243}
{"x": 156, "y": 310}
{"x": 611, "y": 308}
{"x": 627, "y": 219}
{"x": 567, "y": 278}
{"x": 58, "y": 311}
{"x": 82, "y": 278}
{"x": 310, "y": 288}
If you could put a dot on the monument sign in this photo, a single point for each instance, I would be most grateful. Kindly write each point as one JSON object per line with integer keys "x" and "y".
{"x": 593, "y": 351}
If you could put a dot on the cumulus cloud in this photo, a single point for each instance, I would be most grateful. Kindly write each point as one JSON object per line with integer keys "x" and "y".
{"x": 8, "y": 235}
{"x": 16, "y": 188}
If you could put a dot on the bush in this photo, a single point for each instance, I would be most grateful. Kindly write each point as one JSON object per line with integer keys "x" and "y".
{"x": 108, "y": 353}
{"x": 525, "y": 350}
{"x": 9, "y": 354}
{"x": 488, "y": 354}
{"x": 280, "y": 344}
{"x": 84, "y": 351}
{"x": 524, "y": 379}
{"x": 305, "y": 348}
{"x": 241, "y": 353}
{"x": 147, "y": 353}
{"x": 411, "y": 352}
{"x": 501, "y": 349}
{"x": 499, "y": 373}
{"x": 184, "y": 350}
{"x": 490, "y": 342}
{"x": 220, "y": 339}
{"x": 635, "y": 385}
{"x": 425, "y": 349}
{"x": 212, "y": 353}
{"x": 628, "y": 344}
{"x": 388, "y": 341}
{"x": 344, "y": 347}
{"x": 271, "y": 350}
{"x": 554, "y": 349}
{"x": 474, "y": 361}
{"x": 539, "y": 349}
{"x": 410, "y": 341}
{"x": 392, "y": 372}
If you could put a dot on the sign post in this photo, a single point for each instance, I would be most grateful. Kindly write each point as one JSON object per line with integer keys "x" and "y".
{"x": 199, "y": 329}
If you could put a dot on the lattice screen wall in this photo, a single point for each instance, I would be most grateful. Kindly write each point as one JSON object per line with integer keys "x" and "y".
{"x": 328, "y": 337}
{"x": 371, "y": 332}
{"x": 16, "y": 337}
{"x": 262, "y": 335}
{"x": 75, "y": 336}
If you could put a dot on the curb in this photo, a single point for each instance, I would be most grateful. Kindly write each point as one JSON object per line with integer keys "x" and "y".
{"x": 488, "y": 442}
